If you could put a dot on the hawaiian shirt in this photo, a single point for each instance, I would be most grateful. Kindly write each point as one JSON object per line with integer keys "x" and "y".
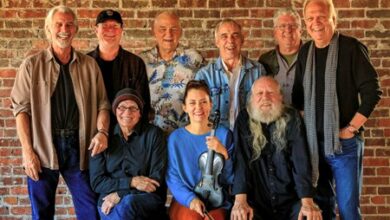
{"x": 167, "y": 82}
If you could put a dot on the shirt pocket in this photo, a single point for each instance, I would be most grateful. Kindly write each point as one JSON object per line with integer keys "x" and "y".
{"x": 40, "y": 92}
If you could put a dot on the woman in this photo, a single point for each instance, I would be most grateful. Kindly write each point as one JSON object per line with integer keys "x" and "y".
{"x": 185, "y": 145}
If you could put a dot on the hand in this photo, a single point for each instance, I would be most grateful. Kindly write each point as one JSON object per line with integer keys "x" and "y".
{"x": 109, "y": 202}
{"x": 310, "y": 210}
{"x": 213, "y": 143}
{"x": 98, "y": 144}
{"x": 345, "y": 133}
{"x": 197, "y": 206}
{"x": 241, "y": 209}
{"x": 32, "y": 165}
{"x": 145, "y": 184}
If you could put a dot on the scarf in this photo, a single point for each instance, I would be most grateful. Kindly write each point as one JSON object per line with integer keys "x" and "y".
{"x": 331, "y": 107}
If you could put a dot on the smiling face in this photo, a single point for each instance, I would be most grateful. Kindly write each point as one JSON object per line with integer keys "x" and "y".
{"x": 127, "y": 114}
{"x": 287, "y": 33}
{"x": 229, "y": 41}
{"x": 197, "y": 105}
{"x": 266, "y": 100}
{"x": 62, "y": 30}
{"x": 167, "y": 32}
{"x": 319, "y": 23}
{"x": 109, "y": 33}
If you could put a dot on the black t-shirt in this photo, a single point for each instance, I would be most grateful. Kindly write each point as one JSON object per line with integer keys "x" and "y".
{"x": 320, "y": 59}
{"x": 64, "y": 111}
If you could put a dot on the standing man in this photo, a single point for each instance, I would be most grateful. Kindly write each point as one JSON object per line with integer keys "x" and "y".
{"x": 120, "y": 68}
{"x": 272, "y": 169}
{"x": 169, "y": 67}
{"x": 231, "y": 76}
{"x": 337, "y": 87}
{"x": 60, "y": 105}
{"x": 280, "y": 62}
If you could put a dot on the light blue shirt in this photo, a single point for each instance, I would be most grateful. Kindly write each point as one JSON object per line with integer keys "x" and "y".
{"x": 214, "y": 75}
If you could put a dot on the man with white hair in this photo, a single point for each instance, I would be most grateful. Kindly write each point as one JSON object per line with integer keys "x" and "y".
{"x": 337, "y": 88}
{"x": 272, "y": 166}
{"x": 60, "y": 105}
{"x": 229, "y": 77}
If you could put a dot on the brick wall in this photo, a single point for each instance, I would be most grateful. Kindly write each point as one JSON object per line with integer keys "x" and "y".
{"x": 21, "y": 33}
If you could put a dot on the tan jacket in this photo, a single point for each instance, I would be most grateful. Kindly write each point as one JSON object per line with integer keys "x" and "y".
{"x": 34, "y": 85}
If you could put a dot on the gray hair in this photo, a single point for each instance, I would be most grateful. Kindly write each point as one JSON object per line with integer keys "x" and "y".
{"x": 52, "y": 12}
{"x": 170, "y": 13}
{"x": 226, "y": 21}
{"x": 287, "y": 11}
{"x": 329, "y": 4}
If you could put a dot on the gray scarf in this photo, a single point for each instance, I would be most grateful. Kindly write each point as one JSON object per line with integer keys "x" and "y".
{"x": 331, "y": 107}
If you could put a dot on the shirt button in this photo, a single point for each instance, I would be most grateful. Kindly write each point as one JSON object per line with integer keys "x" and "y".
{"x": 273, "y": 197}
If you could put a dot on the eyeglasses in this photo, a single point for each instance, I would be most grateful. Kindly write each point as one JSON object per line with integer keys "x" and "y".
{"x": 132, "y": 109}
{"x": 287, "y": 26}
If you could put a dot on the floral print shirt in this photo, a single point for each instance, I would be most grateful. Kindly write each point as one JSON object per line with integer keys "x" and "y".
{"x": 167, "y": 82}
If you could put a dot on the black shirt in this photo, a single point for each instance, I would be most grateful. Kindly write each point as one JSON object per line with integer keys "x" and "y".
{"x": 64, "y": 112}
{"x": 127, "y": 70}
{"x": 143, "y": 154}
{"x": 277, "y": 179}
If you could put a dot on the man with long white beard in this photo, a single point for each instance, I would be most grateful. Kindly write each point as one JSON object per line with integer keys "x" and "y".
{"x": 272, "y": 166}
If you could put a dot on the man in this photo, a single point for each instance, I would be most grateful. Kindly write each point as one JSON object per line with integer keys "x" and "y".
{"x": 120, "y": 68}
{"x": 337, "y": 87}
{"x": 129, "y": 175}
{"x": 169, "y": 67}
{"x": 280, "y": 62}
{"x": 272, "y": 169}
{"x": 230, "y": 77}
{"x": 60, "y": 102}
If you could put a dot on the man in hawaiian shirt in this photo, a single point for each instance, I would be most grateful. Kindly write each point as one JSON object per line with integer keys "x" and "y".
{"x": 169, "y": 67}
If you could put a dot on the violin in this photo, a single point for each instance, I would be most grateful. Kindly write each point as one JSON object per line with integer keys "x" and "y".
{"x": 211, "y": 164}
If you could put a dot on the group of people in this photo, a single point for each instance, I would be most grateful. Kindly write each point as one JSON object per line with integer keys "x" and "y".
{"x": 122, "y": 128}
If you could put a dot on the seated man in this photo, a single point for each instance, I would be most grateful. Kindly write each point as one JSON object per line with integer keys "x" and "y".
{"x": 272, "y": 166}
{"x": 129, "y": 175}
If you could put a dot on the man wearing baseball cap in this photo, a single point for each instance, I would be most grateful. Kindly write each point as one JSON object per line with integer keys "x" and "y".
{"x": 129, "y": 175}
{"x": 120, "y": 68}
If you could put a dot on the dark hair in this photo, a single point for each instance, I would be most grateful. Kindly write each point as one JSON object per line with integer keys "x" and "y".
{"x": 196, "y": 84}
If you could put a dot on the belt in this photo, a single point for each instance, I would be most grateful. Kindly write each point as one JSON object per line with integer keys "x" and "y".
{"x": 65, "y": 132}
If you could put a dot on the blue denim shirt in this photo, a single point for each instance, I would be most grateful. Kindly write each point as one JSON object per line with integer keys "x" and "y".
{"x": 216, "y": 78}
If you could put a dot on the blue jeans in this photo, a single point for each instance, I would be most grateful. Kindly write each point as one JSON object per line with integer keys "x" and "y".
{"x": 137, "y": 206}
{"x": 42, "y": 193}
{"x": 346, "y": 168}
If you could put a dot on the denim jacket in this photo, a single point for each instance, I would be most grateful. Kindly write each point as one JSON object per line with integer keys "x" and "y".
{"x": 217, "y": 80}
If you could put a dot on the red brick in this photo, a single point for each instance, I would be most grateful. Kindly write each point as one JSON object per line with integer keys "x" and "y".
{"x": 207, "y": 13}
{"x": 11, "y": 200}
{"x": 368, "y": 171}
{"x": 365, "y": 3}
{"x": 164, "y": 3}
{"x": 375, "y": 180}
{"x": 369, "y": 209}
{"x": 353, "y": 13}
{"x": 384, "y": 209}
{"x": 105, "y": 4}
{"x": 234, "y": 13}
{"x": 32, "y": 13}
{"x": 378, "y": 14}
{"x": 221, "y": 3}
{"x": 277, "y": 3}
{"x": 378, "y": 200}
{"x": 383, "y": 171}
{"x": 250, "y": 3}
{"x": 363, "y": 24}
{"x": 369, "y": 190}
{"x": 374, "y": 142}
{"x": 7, "y": 73}
{"x": 17, "y": 210}
{"x": 376, "y": 162}
{"x": 384, "y": 190}
{"x": 193, "y": 3}
{"x": 17, "y": 4}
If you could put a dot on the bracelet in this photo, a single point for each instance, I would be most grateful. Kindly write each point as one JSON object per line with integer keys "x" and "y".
{"x": 103, "y": 132}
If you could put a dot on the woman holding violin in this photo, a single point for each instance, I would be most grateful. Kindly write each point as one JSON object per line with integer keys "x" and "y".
{"x": 186, "y": 175}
